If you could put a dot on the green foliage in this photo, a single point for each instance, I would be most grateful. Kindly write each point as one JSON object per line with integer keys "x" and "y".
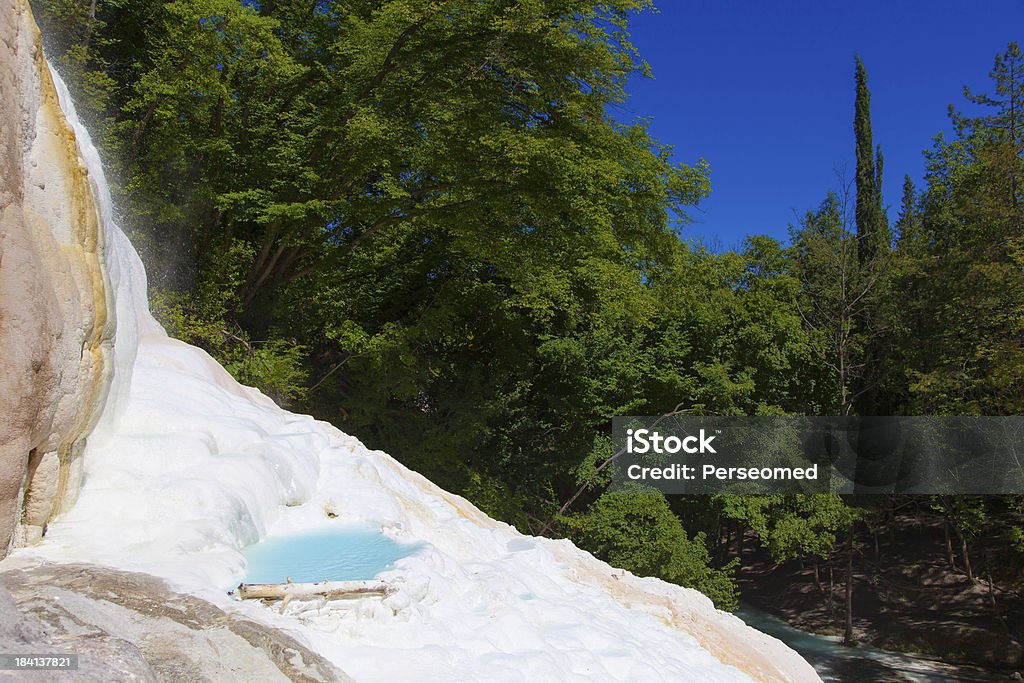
{"x": 834, "y": 297}
{"x": 202, "y": 317}
{"x": 274, "y": 366}
{"x": 965, "y": 273}
{"x": 727, "y": 336}
{"x": 493, "y": 497}
{"x": 638, "y": 532}
{"x": 312, "y": 131}
{"x": 795, "y": 525}
{"x": 967, "y": 513}
{"x": 74, "y": 39}
{"x": 1015, "y": 527}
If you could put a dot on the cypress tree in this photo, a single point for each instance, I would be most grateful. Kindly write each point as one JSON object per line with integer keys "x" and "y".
{"x": 883, "y": 235}
{"x": 872, "y": 228}
{"x": 873, "y": 244}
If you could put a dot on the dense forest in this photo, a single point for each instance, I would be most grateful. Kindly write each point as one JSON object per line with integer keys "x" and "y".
{"x": 422, "y": 223}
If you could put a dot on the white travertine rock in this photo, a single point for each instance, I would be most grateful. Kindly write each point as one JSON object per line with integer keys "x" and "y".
{"x": 56, "y": 326}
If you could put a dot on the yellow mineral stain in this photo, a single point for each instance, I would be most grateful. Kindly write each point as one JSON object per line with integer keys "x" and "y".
{"x": 87, "y": 255}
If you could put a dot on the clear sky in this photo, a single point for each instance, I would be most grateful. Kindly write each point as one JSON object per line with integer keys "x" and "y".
{"x": 764, "y": 91}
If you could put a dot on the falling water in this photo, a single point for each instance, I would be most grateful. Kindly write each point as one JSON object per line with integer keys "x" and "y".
{"x": 126, "y": 276}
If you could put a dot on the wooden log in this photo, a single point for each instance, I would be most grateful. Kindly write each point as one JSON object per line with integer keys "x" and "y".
{"x": 328, "y": 589}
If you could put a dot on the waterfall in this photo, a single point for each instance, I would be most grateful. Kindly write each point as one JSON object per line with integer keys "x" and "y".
{"x": 187, "y": 467}
{"x": 127, "y": 276}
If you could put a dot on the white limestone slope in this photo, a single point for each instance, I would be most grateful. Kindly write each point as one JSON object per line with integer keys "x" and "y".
{"x": 186, "y": 467}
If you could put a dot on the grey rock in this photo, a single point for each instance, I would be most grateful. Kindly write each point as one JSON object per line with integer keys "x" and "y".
{"x": 128, "y": 626}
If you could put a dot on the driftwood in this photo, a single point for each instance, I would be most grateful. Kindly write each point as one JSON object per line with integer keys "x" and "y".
{"x": 325, "y": 589}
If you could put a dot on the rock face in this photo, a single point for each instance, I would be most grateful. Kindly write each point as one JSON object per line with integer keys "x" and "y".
{"x": 130, "y": 627}
{"x": 56, "y": 322}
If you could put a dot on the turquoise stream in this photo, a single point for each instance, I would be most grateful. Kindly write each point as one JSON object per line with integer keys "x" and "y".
{"x": 838, "y": 664}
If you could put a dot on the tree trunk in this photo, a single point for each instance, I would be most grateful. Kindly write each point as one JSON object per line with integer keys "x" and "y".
{"x": 831, "y": 595}
{"x": 949, "y": 546}
{"x": 91, "y": 24}
{"x": 329, "y": 589}
{"x": 723, "y": 550}
{"x": 848, "y": 616}
{"x": 891, "y": 523}
{"x": 963, "y": 551}
{"x": 992, "y": 600}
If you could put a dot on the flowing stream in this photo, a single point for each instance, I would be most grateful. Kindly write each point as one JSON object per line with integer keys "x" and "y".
{"x": 836, "y": 662}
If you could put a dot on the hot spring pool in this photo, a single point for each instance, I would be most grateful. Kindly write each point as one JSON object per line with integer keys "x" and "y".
{"x": 331, "y": 554}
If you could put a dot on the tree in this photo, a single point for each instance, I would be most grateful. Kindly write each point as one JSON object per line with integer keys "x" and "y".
{"x": 313, "y": 130}
{"x": 836, "y": 294}
{"x": 872, "y": 227}
{"x": 873, "y": 250}
{"x": 638, "y": 532}
{"x": 1000, "y": 136}
{"x": 909, "y": 222}
{"x": 973, "y": 261}
{"x": 802, "y": 525}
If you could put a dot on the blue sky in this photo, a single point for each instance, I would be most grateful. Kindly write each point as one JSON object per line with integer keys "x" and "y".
{"x": 764, "y": 92}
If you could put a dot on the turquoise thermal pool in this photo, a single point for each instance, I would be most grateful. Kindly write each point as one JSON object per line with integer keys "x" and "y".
{"x": 330, "y": 554}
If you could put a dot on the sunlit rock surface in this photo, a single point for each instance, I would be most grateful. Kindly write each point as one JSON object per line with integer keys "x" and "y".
{"x": 55, "y": 305}
{"x": 185, "y": 467}
{"x": 130, "y": 627}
